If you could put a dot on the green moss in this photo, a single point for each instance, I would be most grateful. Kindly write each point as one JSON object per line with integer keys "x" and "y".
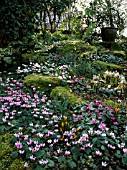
{"x": 117, "y": 53}
{"x": 5, "y": 148}
{"x": 64, "y": 93}
{"x": 106, "y": 65}
{"x": 6, "y": 160}
{"x": 77, "y": 46}
{"x": 18, "y": 164}
{"x": 45, "y": 83}
{"x": 120, "y": 53}
{"x": 111, "y": 103}
{"x": 34, "y": 57}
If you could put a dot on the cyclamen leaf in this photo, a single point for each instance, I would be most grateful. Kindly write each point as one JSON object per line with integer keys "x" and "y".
{"x": 51, "y": 163}
{"x": 102, "y": 147}
{"x": 72, "y": 164}
{"x": 14, "y": 154}
{"x": 61, "y": 159}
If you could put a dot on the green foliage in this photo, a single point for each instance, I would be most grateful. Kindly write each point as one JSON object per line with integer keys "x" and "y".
{"x": 16, "y": 20}
{"x": 64, "y": 93}
{"x": 19, "y": 19}
{"x": 83, "y": 68}
{"x": 59, "y": 36}
{"x": 52, "y": 10}
{"x": 106, "y": 13}
{"x": 4, "y": 53}
{"x": 88, "y": 33}
{"x": 76, "y": 24}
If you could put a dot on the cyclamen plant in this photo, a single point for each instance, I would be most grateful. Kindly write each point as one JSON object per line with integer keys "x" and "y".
{"x": 89, "y": 135}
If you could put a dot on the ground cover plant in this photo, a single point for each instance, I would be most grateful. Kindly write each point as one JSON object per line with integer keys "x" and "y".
{"x": 50, "y": 132}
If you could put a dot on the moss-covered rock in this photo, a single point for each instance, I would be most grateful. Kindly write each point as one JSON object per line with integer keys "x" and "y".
{"x": 6, "y": 150}
{"x": 111, "y": 103}
{"x": 106, "y": 65}
{"x": 64, "y": 93}
{"x": 45, "y": 83}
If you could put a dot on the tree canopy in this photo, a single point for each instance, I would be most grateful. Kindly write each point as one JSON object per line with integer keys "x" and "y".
{"x": 18, "y": 17}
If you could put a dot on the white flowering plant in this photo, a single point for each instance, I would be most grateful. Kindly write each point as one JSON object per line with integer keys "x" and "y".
{"x": 110, "y": 80}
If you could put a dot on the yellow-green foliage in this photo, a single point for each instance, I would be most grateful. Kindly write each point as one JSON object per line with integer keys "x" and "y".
{"x": 85, "y": 55}
{"x": 64, "y": 93}
{"x": 117, "y": 53}
{"x": 111, "y": 103}
{"x": 120, "y": 53}
{"x": 106, "y": 65}
{"x": 43, "y": 82}
{"x": 6, "y": 149}
{"x": 77, "y": 46}
{"x": 34, "y": 57}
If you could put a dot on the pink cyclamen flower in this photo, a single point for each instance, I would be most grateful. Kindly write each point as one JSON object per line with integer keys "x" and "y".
{"x": 16, "y": 135}
{"x": 21, "y": 151}
{"x": 98, "y": 153}
{"x": 43, "y": 162}
{"x": 18, "y": 144}
{"x": 32, "y": 157}
{"x": 115, "y": 123}
{"x": 89, "y": 106}
{"x": 102, "y": 126}
{"x": 67, "y": 152}
{"x": 25, "y": 137}
{"x": 73, "y": 80}
{"x": 96, "y": 111}
{"x": 125, "y": 150}
{"x": 108, "y": 109}
{"x": 94, "y": 121}
{"x": 48, "y": 153}
{"x": 4, "y": 120}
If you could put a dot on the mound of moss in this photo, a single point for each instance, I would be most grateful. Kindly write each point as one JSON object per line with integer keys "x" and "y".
{"x": 76, "y": 46}
{"x": 106, "y": 65}
{"x": 34, "y": 57}
{"x": 64, "y": 93}
{"x": 7, "y": 162}
{"x": 45, "y": 83}
{"x": 111, "y": 103}
{"x": 114, "y": 52}
{"x": 120, "y": 53}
